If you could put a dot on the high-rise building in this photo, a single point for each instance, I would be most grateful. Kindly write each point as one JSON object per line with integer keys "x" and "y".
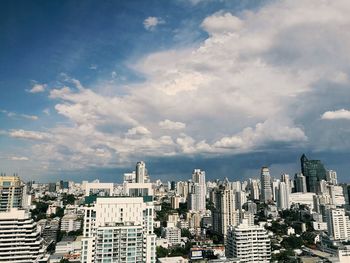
{"x": 300, "y": 183}
{"x": 20, "y": 241}
{"x": 197, "y": 198}
{"x": 332, "y": 177}
{"x": 119, "y": 229}
{"x": 254, "y": 191}
{"x": 141, "y": 173}
{"x": 248, "y": 243}
{"x": 314, "y": 172}
{"x": 266, "y": 190}
{"x": 12, "y": 193}
{"x": 224, "y": 213}
{"x": 338, "y": 224}
{"x": 283, "y": 196}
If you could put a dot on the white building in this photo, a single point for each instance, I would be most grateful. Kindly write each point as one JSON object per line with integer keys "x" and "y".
{"x": 266, "y": 190}
{"x": 20, "y": 241}
{"x": 332, "y": 177}
{"x": 344, "y": 254}
{"x": 119, "y": 229}
{"x": 197, "y": 198}
{"x": 300, "y": 183}
{"x": 172, "y": 234}
{"x": 248, "y": 243}
{"x": 95, "y": 187}
{"x": 283, "y": 196}
{"x": 302, "y": 199}
{"x": 338, "y": 224}
{"x": 70, "y": 223}
{"x": 225, "y": 213}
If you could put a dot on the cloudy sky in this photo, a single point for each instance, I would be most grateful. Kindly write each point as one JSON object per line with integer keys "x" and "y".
{"x": 88, "y": 88}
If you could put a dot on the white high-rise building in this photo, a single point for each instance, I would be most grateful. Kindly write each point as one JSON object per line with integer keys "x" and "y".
{"x": 300, "y": 183}
{"x": 12, "y": 193}
{"x": 283, "y": 196}
{"x": 141, "y": 173}
{"x": 266, "y": 190}
{"x": 254, "y": 189}
{"x": 337, "y": 195}
{"x": 119, "y": 229}
{"x": 225, "y": 213}
{"x": 248, "y": 243}
{"x": 172, "y": 234}
{"x": 20, "y": 241}
{"x": 332, "y": 177}
{"x": 197, "y": 198}
{"x": 338, "y": 224}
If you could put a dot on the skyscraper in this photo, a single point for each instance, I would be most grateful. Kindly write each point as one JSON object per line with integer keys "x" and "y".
{"x": 338, "y": 224}
{"x": 197, "y": 197}
{"x": 224, "y": 213}
{"x": 300, "y": 183}
{"x": 12, "y": 193}
{"x": 283, "y": 196}
{"x": 314, "y": 172}
{"x": 332, "y": 177}
{"x": 141, "y": 173}
{"x": 266, "y": 190}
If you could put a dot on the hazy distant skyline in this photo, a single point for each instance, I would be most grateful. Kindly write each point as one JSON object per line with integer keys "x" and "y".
{"x": 89, "y": 88}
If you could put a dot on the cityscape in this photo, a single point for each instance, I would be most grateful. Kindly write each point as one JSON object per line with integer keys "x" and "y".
{"x": 268, "y": 218}
{"x": 174, "y": 131}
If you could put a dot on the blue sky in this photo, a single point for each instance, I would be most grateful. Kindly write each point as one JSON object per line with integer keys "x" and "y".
{"x": 88, "y": 88}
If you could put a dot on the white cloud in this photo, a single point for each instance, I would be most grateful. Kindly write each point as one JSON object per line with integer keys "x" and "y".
{"x": 38, "y": 88}
{"x": 19, "y": 158}
{"x": 151, "y": 22}
{"x": 336, "y": 115}
{"x": 172, "y": 125}
{"x": 14, "y": 115}
{"x": 221, "y": 23}
{"x": 30, "y": 135}
{"x": 242, "y": 89}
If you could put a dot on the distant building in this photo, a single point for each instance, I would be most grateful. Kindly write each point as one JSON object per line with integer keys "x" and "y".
{"x": 248, "y": 243}
{"x": 300, "y": 183}
{"x": 266, "y": 190}
{"x": 172, "y": 234}
{"x": 332, "y": 177}
{"x": 314, "y": 172}
{"x": 70, "y": 223}
{"x": 12, "y": 193}
{"x": 197, "y": 198}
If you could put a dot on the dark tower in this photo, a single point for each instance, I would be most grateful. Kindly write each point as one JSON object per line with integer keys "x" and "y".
{"x": 314, "y": 172}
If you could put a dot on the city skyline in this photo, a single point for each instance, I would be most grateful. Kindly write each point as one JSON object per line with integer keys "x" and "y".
{"x": 87, "y": 90}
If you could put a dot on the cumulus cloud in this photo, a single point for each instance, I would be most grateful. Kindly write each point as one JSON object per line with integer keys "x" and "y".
{"x": 238, "y": 91}
{"x": 172, "y": 125}
{"x": 29, "y": 135}
{"x": 151, "y": 22}
{"x": 19, "y": 158}
{"x": 336, "y": 115}
{"x": 37, "y": 88}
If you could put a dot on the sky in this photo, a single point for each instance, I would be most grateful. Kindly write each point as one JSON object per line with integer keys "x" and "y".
{"x": 88, "y": 88}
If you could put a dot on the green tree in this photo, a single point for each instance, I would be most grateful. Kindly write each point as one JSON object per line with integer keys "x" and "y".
{"x": 161, "y": 252}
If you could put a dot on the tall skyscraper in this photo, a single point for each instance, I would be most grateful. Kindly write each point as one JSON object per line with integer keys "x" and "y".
{"x": 119, "y": 229}
{"x": 300, "y": 183}
{"x": 254, "y": 191}
{"x": 20, "y": 240}
{"x": 266, "y": 190}
{"x": 283, "y": 196}
{"x": 248, "y": 243}
{"x": 197, "y": 197}
{"x": 141, "y": 173}
{"x": 224, "y": 213}
{"x": 12, "y": 193}
{"x": 314, "y": 172}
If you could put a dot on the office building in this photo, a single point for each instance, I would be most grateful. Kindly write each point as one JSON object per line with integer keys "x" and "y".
{"x": 314, "y": 172}
{"x": 70, "y": 223}
{"x": 283, "y": 196}
{"x": 172, "y": 234}
{"x": 266, "y": 189}
{"x": 248, "y": 243}
{"x": 141, "y": 173}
